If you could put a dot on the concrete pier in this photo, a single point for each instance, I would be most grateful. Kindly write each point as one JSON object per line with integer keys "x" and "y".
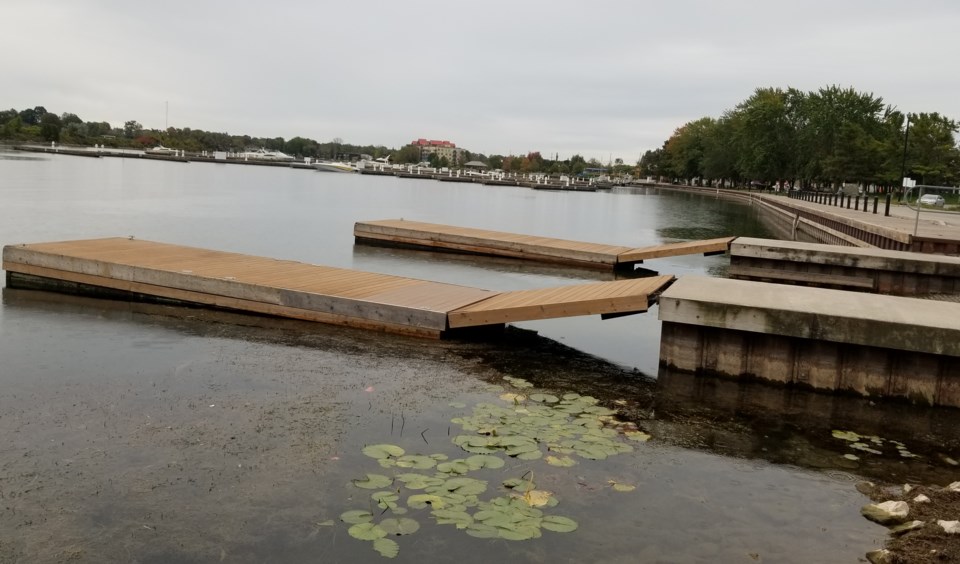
{"x": 851, "y": 268}
{"x": 877, "y": 346}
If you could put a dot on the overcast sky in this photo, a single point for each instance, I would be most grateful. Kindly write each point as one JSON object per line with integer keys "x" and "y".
{"x": 602, "y": 78}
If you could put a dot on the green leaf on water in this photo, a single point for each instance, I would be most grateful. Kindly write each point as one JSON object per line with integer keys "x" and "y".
{"x": 519, "y": 533}
{"x": 532, "y": 455}
{"x": 418, "y": 481}
{"x": 482, "y": 531}
{"x": 518, "y": 382}
{"x": 561, "y": 461}
{"x": 846, "y": 435}
{"x": 416, "y": 461}
{"x": 419, "y": 501}
{"x": 465, "y": 486}
{"x": 617, "y": 486}
{"x": 484, "y": 461}
{"x": 457, "y": 404}
{"x": 373, "y": 481}
{"x": 851, "y": 457}
{"x": 356, "y": 516}
{"x": 519, "y": 484}
{"x": 400, "y": 526}
{"x": 558, "y": 524}
{"x": 458, "y": 466}
{"x": 366, "y": 531}
{"x": 461, "y": 519}
{"x": 639, "y": 436}
{"x": 382, "y": 451}
{"x": 544, "y": 398}
{"x": 327, "y": 523}
{"x": 386, "y": 500}
{"x": 386, "y": 547}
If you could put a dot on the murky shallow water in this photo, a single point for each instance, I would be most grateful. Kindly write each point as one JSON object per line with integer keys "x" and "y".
{"x": 143, "y": 433}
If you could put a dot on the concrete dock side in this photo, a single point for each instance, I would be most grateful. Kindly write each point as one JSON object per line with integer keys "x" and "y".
{"x": 825, "y": 339}
{"x": 900, "y": 273}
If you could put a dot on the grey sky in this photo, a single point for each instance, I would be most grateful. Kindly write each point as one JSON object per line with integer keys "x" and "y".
{"x": 602, "y": 78}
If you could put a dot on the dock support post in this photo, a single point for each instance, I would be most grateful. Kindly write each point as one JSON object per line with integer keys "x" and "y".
{"x": 886, "y": 206}
{"x": 856, "y": 203}
{"x": 876, "y": 200}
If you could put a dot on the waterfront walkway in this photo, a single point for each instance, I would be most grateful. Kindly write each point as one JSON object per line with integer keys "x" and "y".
{"x": 902, "y": 219}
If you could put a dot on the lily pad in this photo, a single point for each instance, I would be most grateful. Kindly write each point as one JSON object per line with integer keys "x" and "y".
{"x": 418, "y": 481}
{"x": 373, "y": 482}
{"x": 366, "y": 531}
{"x": 639, "y": 436}
{"x": 382, "y": 451}
{"x": 519, "y": 533}
{"x": 386, "y": 547}
{"x": 544, "y": 398}
{"x": 846, "y": 435}
{"x": 461, "y": 519}
{"x": 484, "y": 461}
{"x": 465, "y": 486}
{"x": 518, "y": 382}
{"x": 416, "y": 461}
{"x": 617, "y": 486}
{"x": 537, "y": 498}
{"x": 519, "y": 484}
{"x": 851, "y": 457}
{"x": 386, "y": 500}
{"x": 400, "y": 526}
{"x": 454, "y": 467}
{"x": 457, "y": 404}
{"x": 356, "y": 516}
{"x": 419, "y": 501}
{"x": 561, "y": 461}
{"x": 482, "y": 531}
{"x": 512, "y": 397}
{"x": 559, "y": 524}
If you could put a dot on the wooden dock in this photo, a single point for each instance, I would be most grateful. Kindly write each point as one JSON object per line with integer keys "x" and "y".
{"x": 496, "y": 243}
{"x": 143, "y": 270}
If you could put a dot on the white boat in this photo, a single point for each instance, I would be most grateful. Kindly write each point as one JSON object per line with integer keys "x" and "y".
{"x": 265, "y": 155}
{"x": 335, "y": 167}
{"x": 161, "y": 150}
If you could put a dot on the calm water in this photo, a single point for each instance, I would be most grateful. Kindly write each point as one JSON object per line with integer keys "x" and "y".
{"x": 143, "y": 433}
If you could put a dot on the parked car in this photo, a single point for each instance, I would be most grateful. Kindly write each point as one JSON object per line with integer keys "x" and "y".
{"x": 932, "y": 200}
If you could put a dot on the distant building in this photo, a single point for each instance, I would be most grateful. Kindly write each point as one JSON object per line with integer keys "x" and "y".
{"x": 440, "y": 149}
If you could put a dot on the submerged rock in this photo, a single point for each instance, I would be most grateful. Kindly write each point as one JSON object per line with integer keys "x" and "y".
{"x": 886, "y": 513}
{"x": 906, "y": 528}
{"x": 951, "y": 527}
{"x": 954, "y": 487}
{"x": 921, "y": 499}
{"x": 882, "y": 556}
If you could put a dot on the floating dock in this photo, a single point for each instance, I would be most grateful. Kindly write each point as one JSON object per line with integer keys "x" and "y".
{"x": 496, "y": 243}
{"x": 138, "y": 270}
{"x": 872, "y": 345}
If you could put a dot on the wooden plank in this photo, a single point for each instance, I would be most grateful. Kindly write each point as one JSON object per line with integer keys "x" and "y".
{"x": 223, "y": 301}
{"x": 565, "y": 301}
{"x": 485, "y": 241}
{"x": 706, "y": 246}
{"x": 754, "y": 272}
{"x": 304, "y": 291}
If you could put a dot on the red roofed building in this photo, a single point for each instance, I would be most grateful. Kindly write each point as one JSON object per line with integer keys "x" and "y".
{"x": 440, "y": 148}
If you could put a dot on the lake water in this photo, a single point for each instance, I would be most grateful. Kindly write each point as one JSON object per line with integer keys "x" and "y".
{"x": 143, "y": 433}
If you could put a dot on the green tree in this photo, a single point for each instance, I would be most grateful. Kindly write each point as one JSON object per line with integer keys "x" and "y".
{"x": 50, "y": 127}
{"x": 408, "y": 154}
{"x": 932, "y": 154}
{"x": 132, "y": 129}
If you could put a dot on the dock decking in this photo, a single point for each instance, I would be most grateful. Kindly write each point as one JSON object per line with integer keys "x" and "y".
{"x": 150, "y": 270}
{"x": 497, "y": 243}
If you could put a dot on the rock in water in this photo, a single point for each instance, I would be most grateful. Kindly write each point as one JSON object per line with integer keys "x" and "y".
{"x": 921, "y": 499}
{"x": 906, "y": 528}
{"x": 954, "y": 487}
{"x": 882, "y": 556}
{"x": 952, "y": 527}
{"x": 886, "y": 513}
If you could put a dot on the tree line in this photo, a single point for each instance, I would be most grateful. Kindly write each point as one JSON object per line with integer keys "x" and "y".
{"x": 39, "y": 125}
{"x": 813, "y": 140}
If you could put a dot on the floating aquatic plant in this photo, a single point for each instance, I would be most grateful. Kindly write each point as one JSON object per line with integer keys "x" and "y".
{"x": 530, "y": 426}
{"x": 870, "y": 443}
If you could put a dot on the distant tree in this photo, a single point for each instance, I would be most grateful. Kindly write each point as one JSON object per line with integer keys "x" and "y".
{"x": 31, "y": 116}
{"x": 655, "y": 163}
{"x": 50, "y": 127}
{"x": 444, "y": 162}
{"x": 495, "y": 161}
{"x": 68, "y": 118}
{"x": 932, "y": 154}
{"x": 12, "y": 127}
{"x": 407, "y": 154}
{"x": 132, "y": 129}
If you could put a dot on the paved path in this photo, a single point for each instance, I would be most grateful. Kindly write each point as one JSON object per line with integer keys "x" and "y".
{"x": 932, "y": 224}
